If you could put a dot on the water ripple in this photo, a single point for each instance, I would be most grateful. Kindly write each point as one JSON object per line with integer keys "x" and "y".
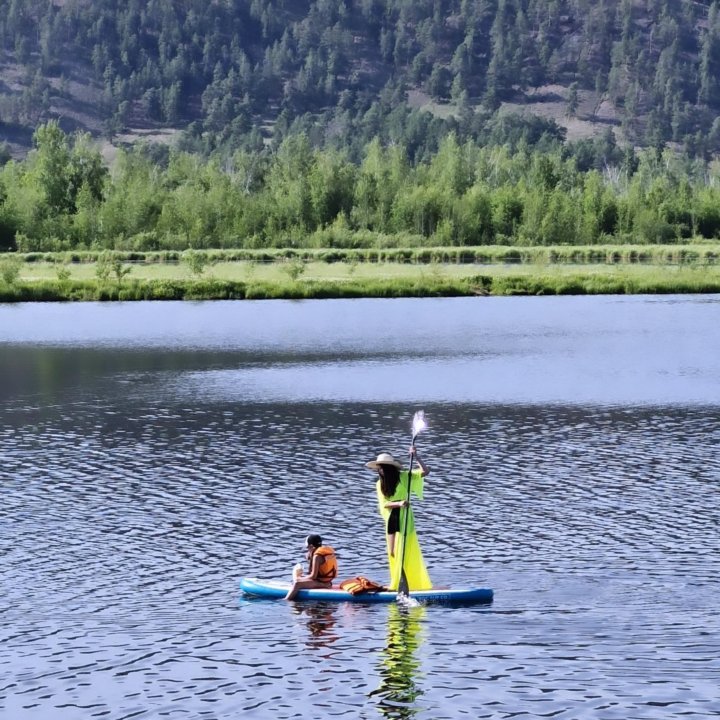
{"x": 128, "y": 516}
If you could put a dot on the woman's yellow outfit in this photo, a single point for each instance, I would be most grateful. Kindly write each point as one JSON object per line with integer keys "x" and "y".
{"x": 415, "y": 570}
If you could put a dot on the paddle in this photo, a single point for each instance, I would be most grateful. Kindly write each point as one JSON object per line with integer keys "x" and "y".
{"x": 418, "y": 426}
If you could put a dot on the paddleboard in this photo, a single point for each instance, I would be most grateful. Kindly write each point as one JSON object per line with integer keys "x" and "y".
{"x": 256, "y": 587}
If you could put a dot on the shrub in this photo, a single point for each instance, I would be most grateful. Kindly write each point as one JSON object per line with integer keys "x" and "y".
{"x": 9, "y": 270}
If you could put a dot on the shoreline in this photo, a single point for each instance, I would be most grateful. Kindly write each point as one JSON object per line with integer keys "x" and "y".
{"x": 305, "y": 273}
{"x": 301, "y": 289}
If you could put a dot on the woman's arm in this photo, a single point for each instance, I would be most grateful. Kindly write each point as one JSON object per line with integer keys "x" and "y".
{"x": 396, "y": 504}
{"x": 424, "y": 469}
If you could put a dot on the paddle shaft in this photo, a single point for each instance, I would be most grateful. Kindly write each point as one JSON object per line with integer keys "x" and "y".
{"x": 403, "y": 585}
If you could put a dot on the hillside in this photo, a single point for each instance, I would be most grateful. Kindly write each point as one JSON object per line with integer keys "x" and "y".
{"x": 228, "y": 74}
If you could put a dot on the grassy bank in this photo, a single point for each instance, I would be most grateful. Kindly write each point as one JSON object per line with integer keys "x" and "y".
{"x": 697, "y": 253}
{"x": 420, "y": 286}
{"x": 382, "y": 273}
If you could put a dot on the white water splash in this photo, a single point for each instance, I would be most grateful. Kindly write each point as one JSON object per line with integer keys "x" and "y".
{"x": 406, "y": 601}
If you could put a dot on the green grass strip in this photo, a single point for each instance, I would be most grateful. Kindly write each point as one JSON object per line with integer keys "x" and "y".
{"x": 213, "y": 289}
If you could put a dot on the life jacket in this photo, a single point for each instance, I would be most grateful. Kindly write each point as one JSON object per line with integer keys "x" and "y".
{"x": 360, "y": 584}
{"x": 328, "y": 565}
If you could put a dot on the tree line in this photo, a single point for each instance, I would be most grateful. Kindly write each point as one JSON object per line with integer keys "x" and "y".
{"x": 233, "y": 71}
{"x": 63, "y": 197}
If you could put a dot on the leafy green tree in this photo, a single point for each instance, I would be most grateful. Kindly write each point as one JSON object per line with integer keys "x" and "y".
{"x": 196, "y": 261}
{"x": 383, "y": 173}
{"x": 560, "y": 221}
{"x": 508, "y": 207}
{"x": 86, "y": 169}
{"x": 134, "y": 199}
{"x": 288, "y": 184}
{"x": 707, "y": 212}
{"x": 366, "y": 201}
{"x": 86, "y": 229}
{"x": 473, "y": 220}
{"x": 420, "y": 210}
{"x": 51, "y": 167}
{"x": 331, "y": 180}
{"x": 451, "y": 169}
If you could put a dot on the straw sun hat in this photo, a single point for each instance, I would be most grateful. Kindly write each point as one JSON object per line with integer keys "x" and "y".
{"x": 384, "y": 459}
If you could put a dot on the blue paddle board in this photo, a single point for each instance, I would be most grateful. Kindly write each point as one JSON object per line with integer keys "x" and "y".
{"x": 437, "y": 596}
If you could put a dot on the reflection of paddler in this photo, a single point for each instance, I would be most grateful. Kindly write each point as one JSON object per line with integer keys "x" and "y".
{"x": 399, "y": 667}
{"x": 393, "y": 496}
{"x": 321, "y": 619}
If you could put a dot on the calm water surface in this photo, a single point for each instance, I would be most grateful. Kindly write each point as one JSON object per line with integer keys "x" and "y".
{"x": 152, "y": 454}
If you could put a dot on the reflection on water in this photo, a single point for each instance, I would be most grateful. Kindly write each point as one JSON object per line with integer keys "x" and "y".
{"x": 321, "y": 619}
{"x": 580, "y": 350}
{"x": 399, "y": 664}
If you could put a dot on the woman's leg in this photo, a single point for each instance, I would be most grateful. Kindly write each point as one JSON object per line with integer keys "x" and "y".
{"x": 391, "y": 544}
{"x": 393, "y": 528}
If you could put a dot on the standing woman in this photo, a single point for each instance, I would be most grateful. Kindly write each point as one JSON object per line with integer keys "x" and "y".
{"x": 392, "y": 495}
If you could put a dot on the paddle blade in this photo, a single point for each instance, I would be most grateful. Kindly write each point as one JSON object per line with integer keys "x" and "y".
{"x": 418, "y": 424}
{"x": 403, "y": 586}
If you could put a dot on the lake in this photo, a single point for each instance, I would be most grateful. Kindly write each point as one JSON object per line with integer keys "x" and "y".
{"x": 154, "y": 453}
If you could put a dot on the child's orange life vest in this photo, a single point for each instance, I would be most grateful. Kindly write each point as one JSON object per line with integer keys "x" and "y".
{"x": 328, "y": 564}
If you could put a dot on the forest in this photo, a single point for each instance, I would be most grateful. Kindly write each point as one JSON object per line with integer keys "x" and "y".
{"x": 233, "y": 74}
{"x": 63, "y": 197}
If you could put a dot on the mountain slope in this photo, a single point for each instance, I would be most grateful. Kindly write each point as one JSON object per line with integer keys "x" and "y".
{"x": 234, "y": 73}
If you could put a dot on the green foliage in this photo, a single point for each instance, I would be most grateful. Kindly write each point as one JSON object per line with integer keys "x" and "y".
{"x": 294, "y": 268}
{"x": 435, "y": 282}
{"x": 61, "y": 169}
{"x": 103, "y": 269}
{"x": 8, "y": 226}
{"x": 119, "y": 270}
{"x": 196, "y": 261}
{"x": 111, "y": 264}
{"x": 10, "y": 267}
{"x": 303, "y": 197}
{"x": 63, "y": 273}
